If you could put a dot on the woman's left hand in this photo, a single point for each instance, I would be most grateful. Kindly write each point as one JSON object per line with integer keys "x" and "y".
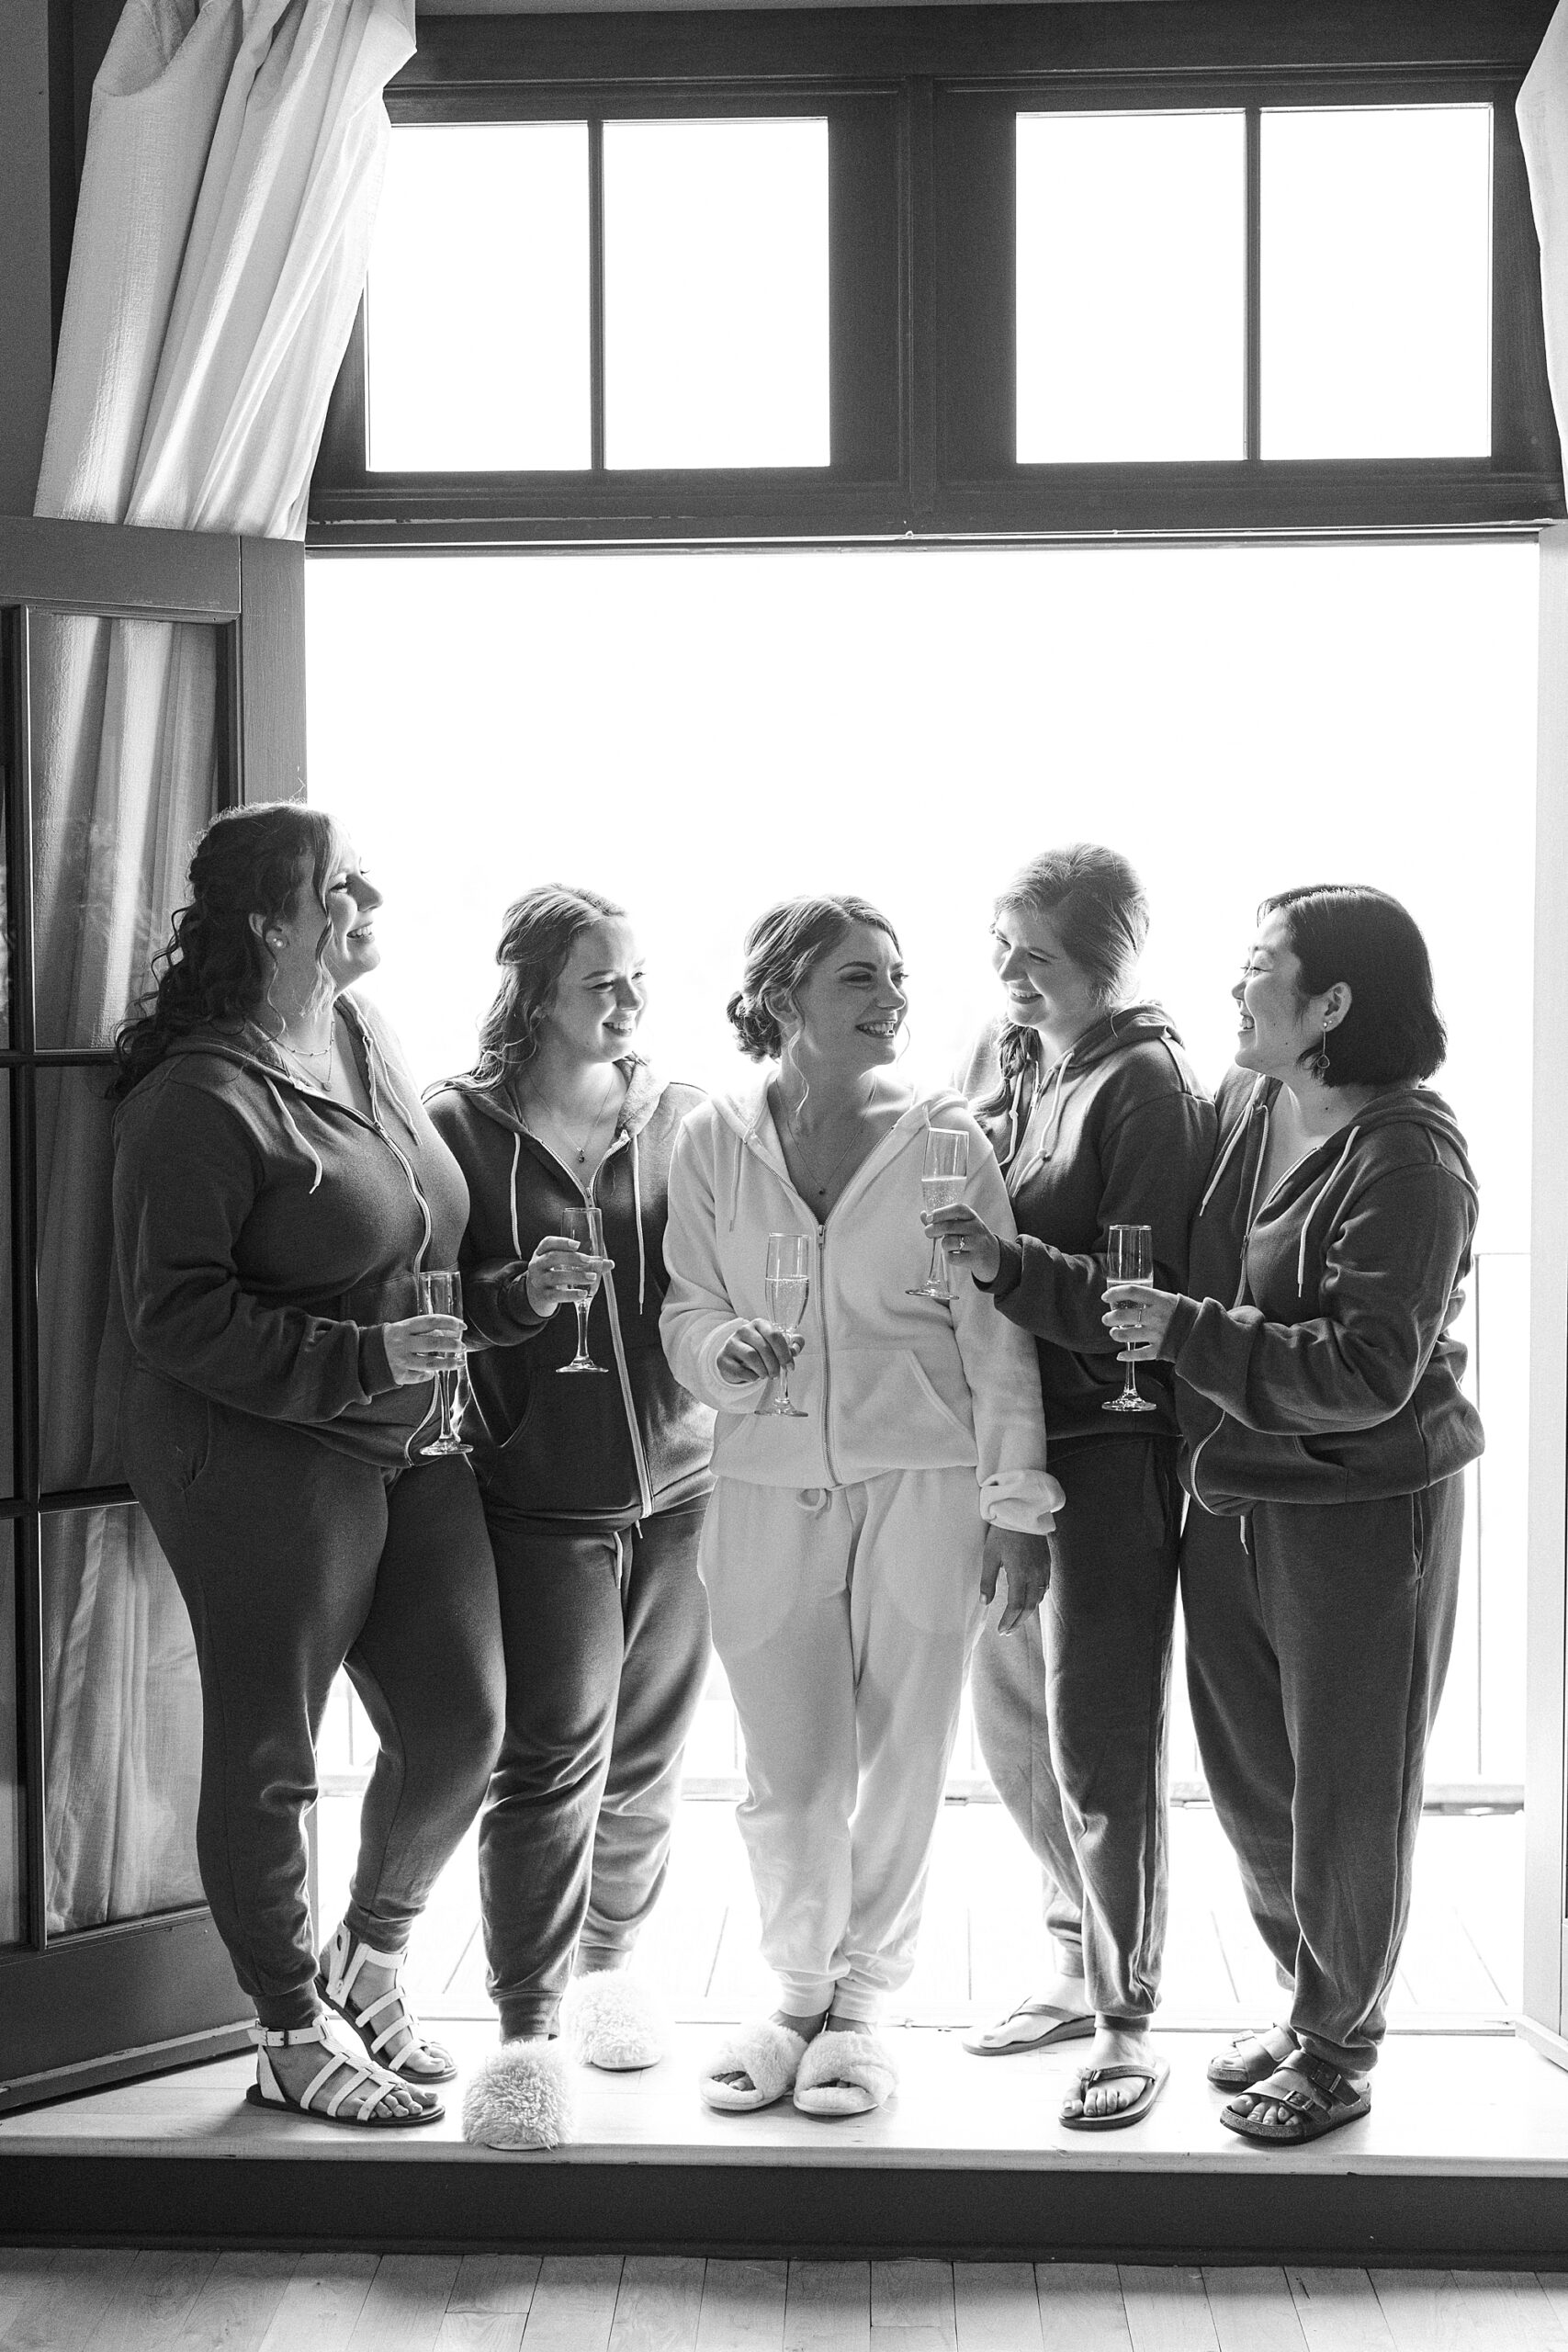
{"x": 1027, "y": 1560}
{"x": 966, "y": 1240}
{"x": 1138, "y": 1317}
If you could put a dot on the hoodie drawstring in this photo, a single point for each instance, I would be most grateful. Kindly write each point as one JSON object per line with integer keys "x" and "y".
{"x": 637, "y": 1218}
{"x": 1307, "y": 1221}
{"x": 1237, "y": 1134}
{"x": 287, "y": 1118}
{"x": 511, "y": 1190}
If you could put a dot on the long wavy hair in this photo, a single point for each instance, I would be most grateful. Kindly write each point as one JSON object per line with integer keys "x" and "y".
{"x": 534, "y": 944}
{"x": 215, "y": 968}
{"x": 1101, "y": 914}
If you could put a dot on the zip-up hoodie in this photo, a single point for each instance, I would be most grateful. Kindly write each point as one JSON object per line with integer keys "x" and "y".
{"x": 608, "y": 1450}
{"x": 265, "y": 1232}
{"x": 1313, "y": 1361}
{"x": 1126, "y": 1137}
{"x": 885, "y": 1381}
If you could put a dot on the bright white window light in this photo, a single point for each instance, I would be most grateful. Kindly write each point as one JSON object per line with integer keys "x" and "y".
{"x": 715, "y": 294}
{"x": 1377, "y": 282}
{"x": 1132, "y": 286}
{"x": 478, "y": 303}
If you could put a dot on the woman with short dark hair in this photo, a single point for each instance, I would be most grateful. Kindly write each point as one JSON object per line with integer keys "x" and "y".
{"x": 277, "y": 1189}
{"x": 1323, "y": 1435}
{"x": 594, "y": 1489}
{"x": 1097, "y": 1121}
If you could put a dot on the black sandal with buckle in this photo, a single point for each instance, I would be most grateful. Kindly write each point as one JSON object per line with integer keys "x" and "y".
{"x": 1319, "y": 2098}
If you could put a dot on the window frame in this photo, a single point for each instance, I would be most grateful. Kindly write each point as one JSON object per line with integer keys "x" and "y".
{"x": 923, "y": 244}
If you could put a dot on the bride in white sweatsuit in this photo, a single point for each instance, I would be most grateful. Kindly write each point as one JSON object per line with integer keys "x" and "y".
{"x": 848, "y": 1555}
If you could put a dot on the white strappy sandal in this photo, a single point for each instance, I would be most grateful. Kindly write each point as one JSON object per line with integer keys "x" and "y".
{"x": 335, "y": 1979}
{"x": 353, "y": 2100}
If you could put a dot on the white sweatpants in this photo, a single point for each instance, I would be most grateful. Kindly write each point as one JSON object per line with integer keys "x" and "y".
{"x": 844, "y": 1617}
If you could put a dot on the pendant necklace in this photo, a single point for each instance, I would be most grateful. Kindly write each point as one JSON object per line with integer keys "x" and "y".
{"x": 554, "y": 1120}
{"x": 822, "y": 1183}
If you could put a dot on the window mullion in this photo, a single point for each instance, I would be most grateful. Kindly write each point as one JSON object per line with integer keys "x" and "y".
{"x": 1254, "y": 417}
{"x": 596, "y": 290}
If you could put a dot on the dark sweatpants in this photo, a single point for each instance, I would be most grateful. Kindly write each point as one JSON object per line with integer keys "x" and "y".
{"x": 1071, "y": 1710}
{"x": 606, "y": 1641}
{"x": 294, "y": 1560}
{"x": 1316, "y": 1657}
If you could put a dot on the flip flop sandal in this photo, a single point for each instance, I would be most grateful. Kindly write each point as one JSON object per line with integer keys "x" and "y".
{"x": 361, "y": 2083}
{"x": 335, "y": 1979}
{"x": 1251, "y": 2057}
{"x": 1154, "y": 2074}
{"x": 769, "y": 2054}
{"x": 1034, "y": 2025}
{"x": 1319, "y": 2096}
{"x": 847, "y": 2071}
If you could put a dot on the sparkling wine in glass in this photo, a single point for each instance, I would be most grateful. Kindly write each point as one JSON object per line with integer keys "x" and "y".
{"x": 1130, "y": 1258}
{"x": 586, "y": 1227}
{"x": 787, "y": 1283}
{"x": 442, "y": 1294}
{"x": 941, "y": 1187}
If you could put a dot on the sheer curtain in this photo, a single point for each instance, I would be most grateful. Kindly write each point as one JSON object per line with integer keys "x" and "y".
{"x": 234, "y": 161}
{"x": 1542, "y": 110}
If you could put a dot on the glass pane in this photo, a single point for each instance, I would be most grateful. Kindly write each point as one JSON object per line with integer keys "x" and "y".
{"x": 478, "y": 306}
{"x": 125, "y": 751}
{"x": 1132, "y": 286}
{"x": 13, "y": 1844}
{"x": 1377, "y": 282}
{"x": 7, "y": 915}
{"x": 83, "y": 1345}
{"x": 7, "y": 1367}
{"x": 716, "y": 293}
{"x": 122, "y": 1724}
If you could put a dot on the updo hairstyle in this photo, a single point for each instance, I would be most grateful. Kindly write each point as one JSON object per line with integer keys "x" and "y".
{"x": 783, "y": 947}
{"x": 215, "y": 968}
{"x": 534, "y": 944}
{"x": 1394, "y": 1034}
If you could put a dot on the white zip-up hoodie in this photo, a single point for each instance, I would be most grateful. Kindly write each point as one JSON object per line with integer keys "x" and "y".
{"x": 887, "y": 1382}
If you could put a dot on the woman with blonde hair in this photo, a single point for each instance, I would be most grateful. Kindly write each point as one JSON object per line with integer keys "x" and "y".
{"x": 867, "y": 1496}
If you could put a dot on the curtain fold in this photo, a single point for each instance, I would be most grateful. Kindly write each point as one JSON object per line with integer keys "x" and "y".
{"x": 234, "y": 161}
{"x": 1542, "y": 112}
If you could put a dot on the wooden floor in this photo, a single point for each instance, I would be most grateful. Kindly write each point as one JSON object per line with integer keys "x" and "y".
{"x": 84, "y": 2300}
{"x": 982, "y": 1943}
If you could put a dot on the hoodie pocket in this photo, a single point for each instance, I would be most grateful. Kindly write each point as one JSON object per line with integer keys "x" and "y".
{"x": 889, "y": 1412}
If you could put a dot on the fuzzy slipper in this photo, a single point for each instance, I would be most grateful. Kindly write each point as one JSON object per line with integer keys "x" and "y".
{"x": 521, "y": 2098}
{"x": 609, "y": 2020}
{"x": 1034, "y": 2025}
{"x": 768, "y": 2053}
{"x": 847, "y": 2071}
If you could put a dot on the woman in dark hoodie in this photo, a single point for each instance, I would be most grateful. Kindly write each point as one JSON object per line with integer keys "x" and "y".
{"x": 594, "y": 1491}
{"x": 1323, "y": 1435}
{"x": 276, "y": 1188}
{"x": 1097, "y": 1121}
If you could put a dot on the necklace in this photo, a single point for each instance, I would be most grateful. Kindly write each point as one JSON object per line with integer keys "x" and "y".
{"x": 553, "y": 1118}
{"x": 822, "y": 1182}
{"x": 310, "y": 1061}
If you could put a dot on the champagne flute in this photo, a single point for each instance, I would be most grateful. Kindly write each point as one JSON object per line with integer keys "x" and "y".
{"x": 788, "y": 1287}
{"x": 941, "y": 1187}
{"x": 586, "y": 1227}
{"x": 442, "y": 1294}
{"x": 1130, "y": 1258}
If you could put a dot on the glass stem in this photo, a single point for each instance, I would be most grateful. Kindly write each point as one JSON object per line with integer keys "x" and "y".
{"x": 582, "y": 1329}
{"x": 1130, "y": 1386}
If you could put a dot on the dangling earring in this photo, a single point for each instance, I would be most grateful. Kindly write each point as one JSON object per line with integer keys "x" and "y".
{"x": 1319, "y": 1066}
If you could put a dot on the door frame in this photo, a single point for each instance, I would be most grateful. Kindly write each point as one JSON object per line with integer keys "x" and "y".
{"x": 106, "y": 2003}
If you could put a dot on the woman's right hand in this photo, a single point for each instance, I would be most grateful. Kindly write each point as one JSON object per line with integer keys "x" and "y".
{"x": 423, "y": 1345}
{"x": 967, "y": 1242}
{"x": 561, "y": 1273}
{"x": 757, "y": 1351}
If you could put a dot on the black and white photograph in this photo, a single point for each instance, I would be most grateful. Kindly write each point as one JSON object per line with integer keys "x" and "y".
{"x": 783, "y": 1233}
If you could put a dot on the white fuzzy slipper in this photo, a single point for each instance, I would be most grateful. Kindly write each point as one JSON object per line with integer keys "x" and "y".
{"x": 608, "y": 2020}
{"x": 770, "y": 2052}
{"x": 845, "y": 2071}
{"x": 520, "y": 2098}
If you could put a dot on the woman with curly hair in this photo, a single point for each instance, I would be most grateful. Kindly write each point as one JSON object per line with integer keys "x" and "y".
{"x": 594, "y": 1490}
{"x": 277, "y": 1187}
{"x": 852, "y": 1542}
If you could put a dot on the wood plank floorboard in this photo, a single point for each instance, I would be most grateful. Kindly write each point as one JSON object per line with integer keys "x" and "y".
{"x": 84, "y": 2300}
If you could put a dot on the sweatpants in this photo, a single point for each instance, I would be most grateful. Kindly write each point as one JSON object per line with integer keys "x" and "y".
{"x": 294, "y": 1560}
{"x": 1317, "y": 1641}
{"x": 606, "y": 1639}
{"x": 1072, "y": 1707}
{"x": 844, "y": 1617}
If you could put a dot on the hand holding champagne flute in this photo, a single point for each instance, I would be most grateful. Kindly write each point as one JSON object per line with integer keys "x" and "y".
{"x": 789, "y": 1286}
{"x": 442, "y": 1293}
{"x": 941, "y": 1187}
{"x": 586, "y": 1227}
{"x": 1130, "y": 1258}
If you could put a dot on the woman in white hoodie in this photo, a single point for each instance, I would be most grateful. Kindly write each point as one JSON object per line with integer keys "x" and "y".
{"x": 849, "y": 1553}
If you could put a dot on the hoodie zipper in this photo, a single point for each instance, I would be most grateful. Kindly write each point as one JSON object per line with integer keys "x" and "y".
{"x": 827, "y": 1358}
